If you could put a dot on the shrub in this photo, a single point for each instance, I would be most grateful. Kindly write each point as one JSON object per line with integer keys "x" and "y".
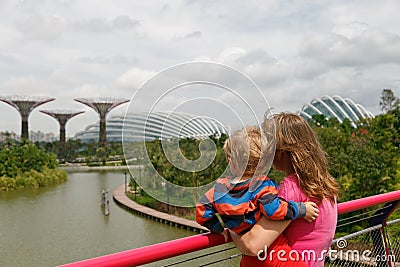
{"x": 7, "y": 183}
{"x": 26, "y": 166}
{"x": 23, "y": 157}
{"x": 26, "y": 182}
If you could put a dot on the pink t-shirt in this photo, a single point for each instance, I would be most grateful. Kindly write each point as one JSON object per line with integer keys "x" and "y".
{"x": 309, "y": 238}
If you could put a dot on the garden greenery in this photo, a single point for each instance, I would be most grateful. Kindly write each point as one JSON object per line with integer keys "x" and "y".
{"x": 365, "y": 160}
{"x": 24, "y": 165}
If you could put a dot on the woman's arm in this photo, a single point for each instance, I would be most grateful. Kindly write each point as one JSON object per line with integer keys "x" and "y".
{"x": 263, "y": 233}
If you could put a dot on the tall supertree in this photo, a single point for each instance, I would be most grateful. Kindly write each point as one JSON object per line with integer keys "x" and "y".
{"x": 24, "y": 105}
{"x": 62, "y": 116}
{"x": 102, "y": 106}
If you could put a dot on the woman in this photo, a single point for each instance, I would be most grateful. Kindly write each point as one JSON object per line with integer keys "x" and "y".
{"x": 300, "y": 156}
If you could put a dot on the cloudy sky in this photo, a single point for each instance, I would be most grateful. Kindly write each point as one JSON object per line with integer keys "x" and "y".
{"x": 293, "y": 50}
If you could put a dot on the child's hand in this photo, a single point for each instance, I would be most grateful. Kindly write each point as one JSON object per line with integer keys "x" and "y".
{"x": 311, "y": 211}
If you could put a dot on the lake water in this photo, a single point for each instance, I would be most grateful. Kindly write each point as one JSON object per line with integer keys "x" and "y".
{"x": 64, "y": 223}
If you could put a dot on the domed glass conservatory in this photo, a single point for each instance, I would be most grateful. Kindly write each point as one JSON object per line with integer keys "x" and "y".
{"x": 335, "y": 107}
{"x": 151, "y": 126}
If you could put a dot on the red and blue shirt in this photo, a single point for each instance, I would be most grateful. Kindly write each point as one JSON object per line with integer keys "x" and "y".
{"x": 240, "y": 205}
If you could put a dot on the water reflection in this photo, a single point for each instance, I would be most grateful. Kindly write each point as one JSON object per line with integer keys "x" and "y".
{"x": 61, "y": 224}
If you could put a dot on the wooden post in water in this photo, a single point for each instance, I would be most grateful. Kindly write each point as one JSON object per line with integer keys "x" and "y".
{"x": 105, "y": 202}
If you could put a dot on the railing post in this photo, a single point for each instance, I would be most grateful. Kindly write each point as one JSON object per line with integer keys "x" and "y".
{"x": 379, "y": 237}
{"x": 126, "y": 184}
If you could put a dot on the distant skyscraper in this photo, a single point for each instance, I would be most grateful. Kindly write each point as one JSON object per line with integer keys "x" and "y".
{"x": 39, "y": 136}
{"x": 102, "y": 106}
{"x": 62, "y": 116}
{"x": 24, "y": 105}
{"x": 4, "y": 136}
{"x": 335, "y": 107}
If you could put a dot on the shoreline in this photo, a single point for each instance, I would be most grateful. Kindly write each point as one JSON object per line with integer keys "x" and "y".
{"x": 94, "y": 168}
{"x": 75, "y": 168}
{"x": 121, "y": 199}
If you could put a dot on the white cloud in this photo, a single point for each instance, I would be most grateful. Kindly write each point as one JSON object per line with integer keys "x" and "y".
{"x": 66, "y": 77}
{"x": 230, "y": 55}
{"x": 109, "y": 60}
{"x": 294, "y": 51}
{"x": 125, "y": 22}
{"x": 43, "y": 28}
{"x": 8, "y": 36}
{"x": 368, "y": 48}
{"x": 19, "y": 85}
{"x": 195, "y": 34}
{"x": 133, "y": 78}
{"x": 350, "y": 30}
{"x": 105, "y": 25}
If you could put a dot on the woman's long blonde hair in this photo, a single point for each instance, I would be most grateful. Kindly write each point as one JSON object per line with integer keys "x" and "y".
{"x": 295, "y": 136}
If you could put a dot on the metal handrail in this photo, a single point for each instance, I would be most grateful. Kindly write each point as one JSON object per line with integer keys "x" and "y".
{"x": 169, "y": 249}
{"x": 367, "y": 202}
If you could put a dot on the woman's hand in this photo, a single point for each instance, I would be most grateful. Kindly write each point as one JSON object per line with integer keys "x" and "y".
{"x": 225, "y": 234}
{"x": 312, "y": 211}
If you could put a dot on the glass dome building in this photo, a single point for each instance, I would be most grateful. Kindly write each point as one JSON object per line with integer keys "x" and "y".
{"x": 157, "y": 125}
{"x": 335, "y": 107}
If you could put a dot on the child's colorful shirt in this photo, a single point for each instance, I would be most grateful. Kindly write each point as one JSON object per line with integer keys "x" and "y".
{"x": 241, "y": 205}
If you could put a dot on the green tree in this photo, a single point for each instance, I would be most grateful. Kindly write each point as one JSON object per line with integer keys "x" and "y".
{"x": 319, "y": 120}
{"x": 24, "y": 157}
{"x": 388, "y": 101}
{"x": 365, "y": 159}
{"x": 102, "y": 155}
{"x": 24, "y": 165}
{"x": 189, "y": 148}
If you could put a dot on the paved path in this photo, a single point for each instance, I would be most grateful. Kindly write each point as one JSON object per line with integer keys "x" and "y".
{"x": 120, "y": 197}
{"x": 94, "y": 168}
{"x": 80, "y": 168}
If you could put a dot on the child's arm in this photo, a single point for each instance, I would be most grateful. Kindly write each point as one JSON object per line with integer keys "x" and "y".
{"x": 276, "y": 208}
{"x": 206, "y": 213}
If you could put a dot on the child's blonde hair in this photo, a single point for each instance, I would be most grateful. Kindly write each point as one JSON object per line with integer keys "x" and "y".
{"x": 295, "y": 136}
{"x": 248, "y": 150}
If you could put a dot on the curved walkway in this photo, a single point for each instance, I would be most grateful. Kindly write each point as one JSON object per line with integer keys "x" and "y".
{"x": 121, "y": 199}
{"x": 77, "y": 168}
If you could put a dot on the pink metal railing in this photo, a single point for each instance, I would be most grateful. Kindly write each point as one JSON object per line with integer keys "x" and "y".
{"x": 154, "y": 252}
{"x": 363, "y": 203}
{"x": 165, "y": 250}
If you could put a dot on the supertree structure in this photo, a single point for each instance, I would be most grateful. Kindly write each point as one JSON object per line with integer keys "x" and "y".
{"x": 62, "y": 116}
{"x": 24, "y": 105}
{"x": 102, "y": 106}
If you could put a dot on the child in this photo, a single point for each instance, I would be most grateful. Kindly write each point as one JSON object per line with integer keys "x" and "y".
{"x": 240, "y": 201}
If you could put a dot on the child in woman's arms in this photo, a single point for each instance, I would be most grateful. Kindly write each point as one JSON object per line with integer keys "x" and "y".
{"x": 239, "y": 202}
